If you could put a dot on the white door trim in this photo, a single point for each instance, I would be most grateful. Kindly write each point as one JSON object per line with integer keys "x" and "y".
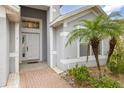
{"x": 27, "y": 30}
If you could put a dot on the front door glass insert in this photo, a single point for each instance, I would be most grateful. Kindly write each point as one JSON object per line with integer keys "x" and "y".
{"x": 24, "y": 46}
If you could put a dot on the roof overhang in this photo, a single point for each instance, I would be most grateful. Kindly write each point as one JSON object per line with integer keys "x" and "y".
{"x": 61, "y": 19}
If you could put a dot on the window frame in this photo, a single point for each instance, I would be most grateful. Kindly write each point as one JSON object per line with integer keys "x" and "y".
{"x": 31, "y": 19}
{"x": 78, "y": 49}
{"x": 32, "y": 22}
{"x": 77, "y": 26}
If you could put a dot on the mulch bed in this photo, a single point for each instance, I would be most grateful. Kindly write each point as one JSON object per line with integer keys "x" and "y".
{"x": 93, "y": 72}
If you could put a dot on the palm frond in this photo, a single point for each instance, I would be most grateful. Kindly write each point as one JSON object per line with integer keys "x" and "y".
{"x": 75, "y": 34}
{"x": 100, "y": 27}
{"x": 114, "y": 14}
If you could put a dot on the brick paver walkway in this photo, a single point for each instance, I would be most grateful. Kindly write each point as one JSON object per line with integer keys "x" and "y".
{"x": 39, "y": 75}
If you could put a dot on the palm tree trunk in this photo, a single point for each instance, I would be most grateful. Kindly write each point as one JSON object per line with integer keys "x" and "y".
{"x": 95, "y": 46}
{"x": 112, "y": 44}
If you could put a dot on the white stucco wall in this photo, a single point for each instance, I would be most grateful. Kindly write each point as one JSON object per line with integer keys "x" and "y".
{"x": 48, "y": 37}
{"x": 69, "y": 63}
{"x": 69, "y": 56}
{"x": 56, "y": 11}
{"x": 57, "y": 45}
{"x": 71, "y": 50}
{"x": 12, "y": 47}
{"x": 4, "y": 47}
{"x": 52, "y": 14}
{"x": 8, "y": 46}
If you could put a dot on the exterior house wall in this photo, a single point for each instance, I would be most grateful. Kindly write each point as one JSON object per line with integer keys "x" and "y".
{"x": 8, "y": 46}
{"x": 54, "y": 48}
{"x": 52, "y": 13}
{"x": 57, "y": 45}
{"x": 56, "y": 11}
{"x": 71, "y": 50}
{"x": 69, "y": 63}
{"x": 39, "y": 14}
{"x": 53, "y": 40}
{"x": 48, "y": 37}
{"x": 12, "y": 47}
{"x": 68, "y": 57}
{"x": 4, "y": 48}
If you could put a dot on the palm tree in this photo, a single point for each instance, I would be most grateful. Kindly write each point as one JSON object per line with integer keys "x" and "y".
{"x": 93, "y": 32}
{"x": 114, "y": 30}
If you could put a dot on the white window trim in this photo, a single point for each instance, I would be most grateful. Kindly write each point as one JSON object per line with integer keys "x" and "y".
{"x": 78, "y": 50}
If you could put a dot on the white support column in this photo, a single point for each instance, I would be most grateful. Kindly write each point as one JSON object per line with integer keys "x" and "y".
{"x": 51, "y": 53}
{"x": 17, "y": 47}
{"x": 49, "y": 37}
{"x": 4, "y": 49}
{"x": 51, "y": 47}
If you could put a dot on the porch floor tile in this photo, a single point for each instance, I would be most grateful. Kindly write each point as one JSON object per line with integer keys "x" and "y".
{"x": 39, "y": 75}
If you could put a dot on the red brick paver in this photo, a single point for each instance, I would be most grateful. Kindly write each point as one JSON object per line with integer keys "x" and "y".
{"x": 41, "y": 78}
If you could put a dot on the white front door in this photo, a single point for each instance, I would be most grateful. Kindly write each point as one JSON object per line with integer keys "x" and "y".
{"x": 30, "y": 46}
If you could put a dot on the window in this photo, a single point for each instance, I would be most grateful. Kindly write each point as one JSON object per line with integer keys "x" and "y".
{"x": 83, "y": 45}
{"x": 30, "y": 24}
{"x": 83, "y": 49}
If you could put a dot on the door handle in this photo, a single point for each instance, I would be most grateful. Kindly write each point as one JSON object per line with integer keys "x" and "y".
{"x": 27, "y": 48}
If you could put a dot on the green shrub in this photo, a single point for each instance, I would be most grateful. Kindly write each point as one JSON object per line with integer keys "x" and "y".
{"x": 80, "y": 73}
{"x": 121, "y": 67}
{"x": 113, "y": 67}
{"x": 116, "y": 64}
{"x": 104, "y": 82}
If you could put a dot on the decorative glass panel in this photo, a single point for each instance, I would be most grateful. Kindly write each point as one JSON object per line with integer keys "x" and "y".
{"x": 23, "y": 46}
{"x": 30, "y": 24}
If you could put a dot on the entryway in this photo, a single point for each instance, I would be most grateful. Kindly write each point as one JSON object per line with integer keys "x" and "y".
{"x": 39, "y": 75}
{"x": 31, "y": 40}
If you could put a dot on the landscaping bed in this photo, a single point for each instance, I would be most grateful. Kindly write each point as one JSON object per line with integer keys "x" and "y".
{"x": 108, "y": 79}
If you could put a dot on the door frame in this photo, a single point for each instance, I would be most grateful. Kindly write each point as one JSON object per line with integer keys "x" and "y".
{"x": 32, "y": 31}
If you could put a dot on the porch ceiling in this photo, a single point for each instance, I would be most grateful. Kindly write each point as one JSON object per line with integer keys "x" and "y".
{"x": 42, "y": 7}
